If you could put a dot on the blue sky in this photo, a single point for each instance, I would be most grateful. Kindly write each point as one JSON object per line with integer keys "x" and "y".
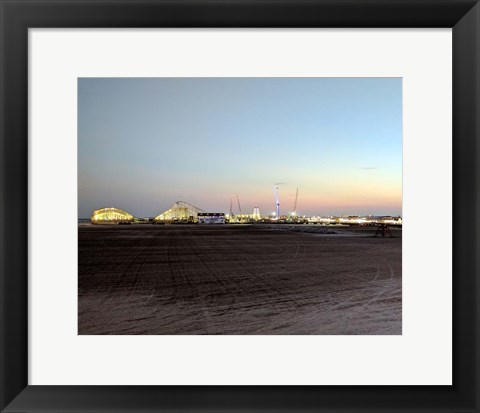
{"x": 144, "y": 143}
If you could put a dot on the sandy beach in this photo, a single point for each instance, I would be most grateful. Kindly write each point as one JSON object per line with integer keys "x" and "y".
{"x": 238, "y": 279}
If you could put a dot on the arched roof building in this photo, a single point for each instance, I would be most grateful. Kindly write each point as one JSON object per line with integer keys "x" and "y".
{"x": 110, "y": 216}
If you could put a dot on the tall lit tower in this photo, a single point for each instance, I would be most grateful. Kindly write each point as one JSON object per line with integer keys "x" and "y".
{"x": 277, "y": 201}
{"x": 256, "y": 213}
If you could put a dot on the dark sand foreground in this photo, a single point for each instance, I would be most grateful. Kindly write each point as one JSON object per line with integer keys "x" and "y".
{"x": 242, "y": 279}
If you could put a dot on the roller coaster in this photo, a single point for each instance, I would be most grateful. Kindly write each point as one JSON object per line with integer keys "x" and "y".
{"x": 180, "y": 211}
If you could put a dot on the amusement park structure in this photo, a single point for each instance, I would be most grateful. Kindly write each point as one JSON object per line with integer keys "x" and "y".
{"x": 294, "y": 212}
{"x": 183, "y": 213}
{"x": 179, "y": 211}
{"x": 111, "y": 215}
{"x": 231, "y": 205}
{"x": 277, "y": 201}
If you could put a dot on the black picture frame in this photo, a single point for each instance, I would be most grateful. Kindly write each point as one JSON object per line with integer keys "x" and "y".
{"x": 17, "y": 16}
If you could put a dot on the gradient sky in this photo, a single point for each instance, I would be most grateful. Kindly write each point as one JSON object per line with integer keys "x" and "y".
{"x": 144, "y": 143}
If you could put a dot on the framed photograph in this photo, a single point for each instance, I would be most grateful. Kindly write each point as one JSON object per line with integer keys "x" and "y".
{"x": 207, "y": 266}
{"x": 239, "y": 206}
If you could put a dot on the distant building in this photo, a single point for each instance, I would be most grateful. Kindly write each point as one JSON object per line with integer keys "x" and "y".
{"x": 111, "y": 216}
{"x": 211, "y": 218}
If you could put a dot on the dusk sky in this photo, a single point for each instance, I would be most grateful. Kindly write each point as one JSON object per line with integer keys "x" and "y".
{"x": 144, "y": 143}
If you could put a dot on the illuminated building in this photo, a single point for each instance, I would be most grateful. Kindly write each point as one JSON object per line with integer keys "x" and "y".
{"x": 111, "y": 216}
